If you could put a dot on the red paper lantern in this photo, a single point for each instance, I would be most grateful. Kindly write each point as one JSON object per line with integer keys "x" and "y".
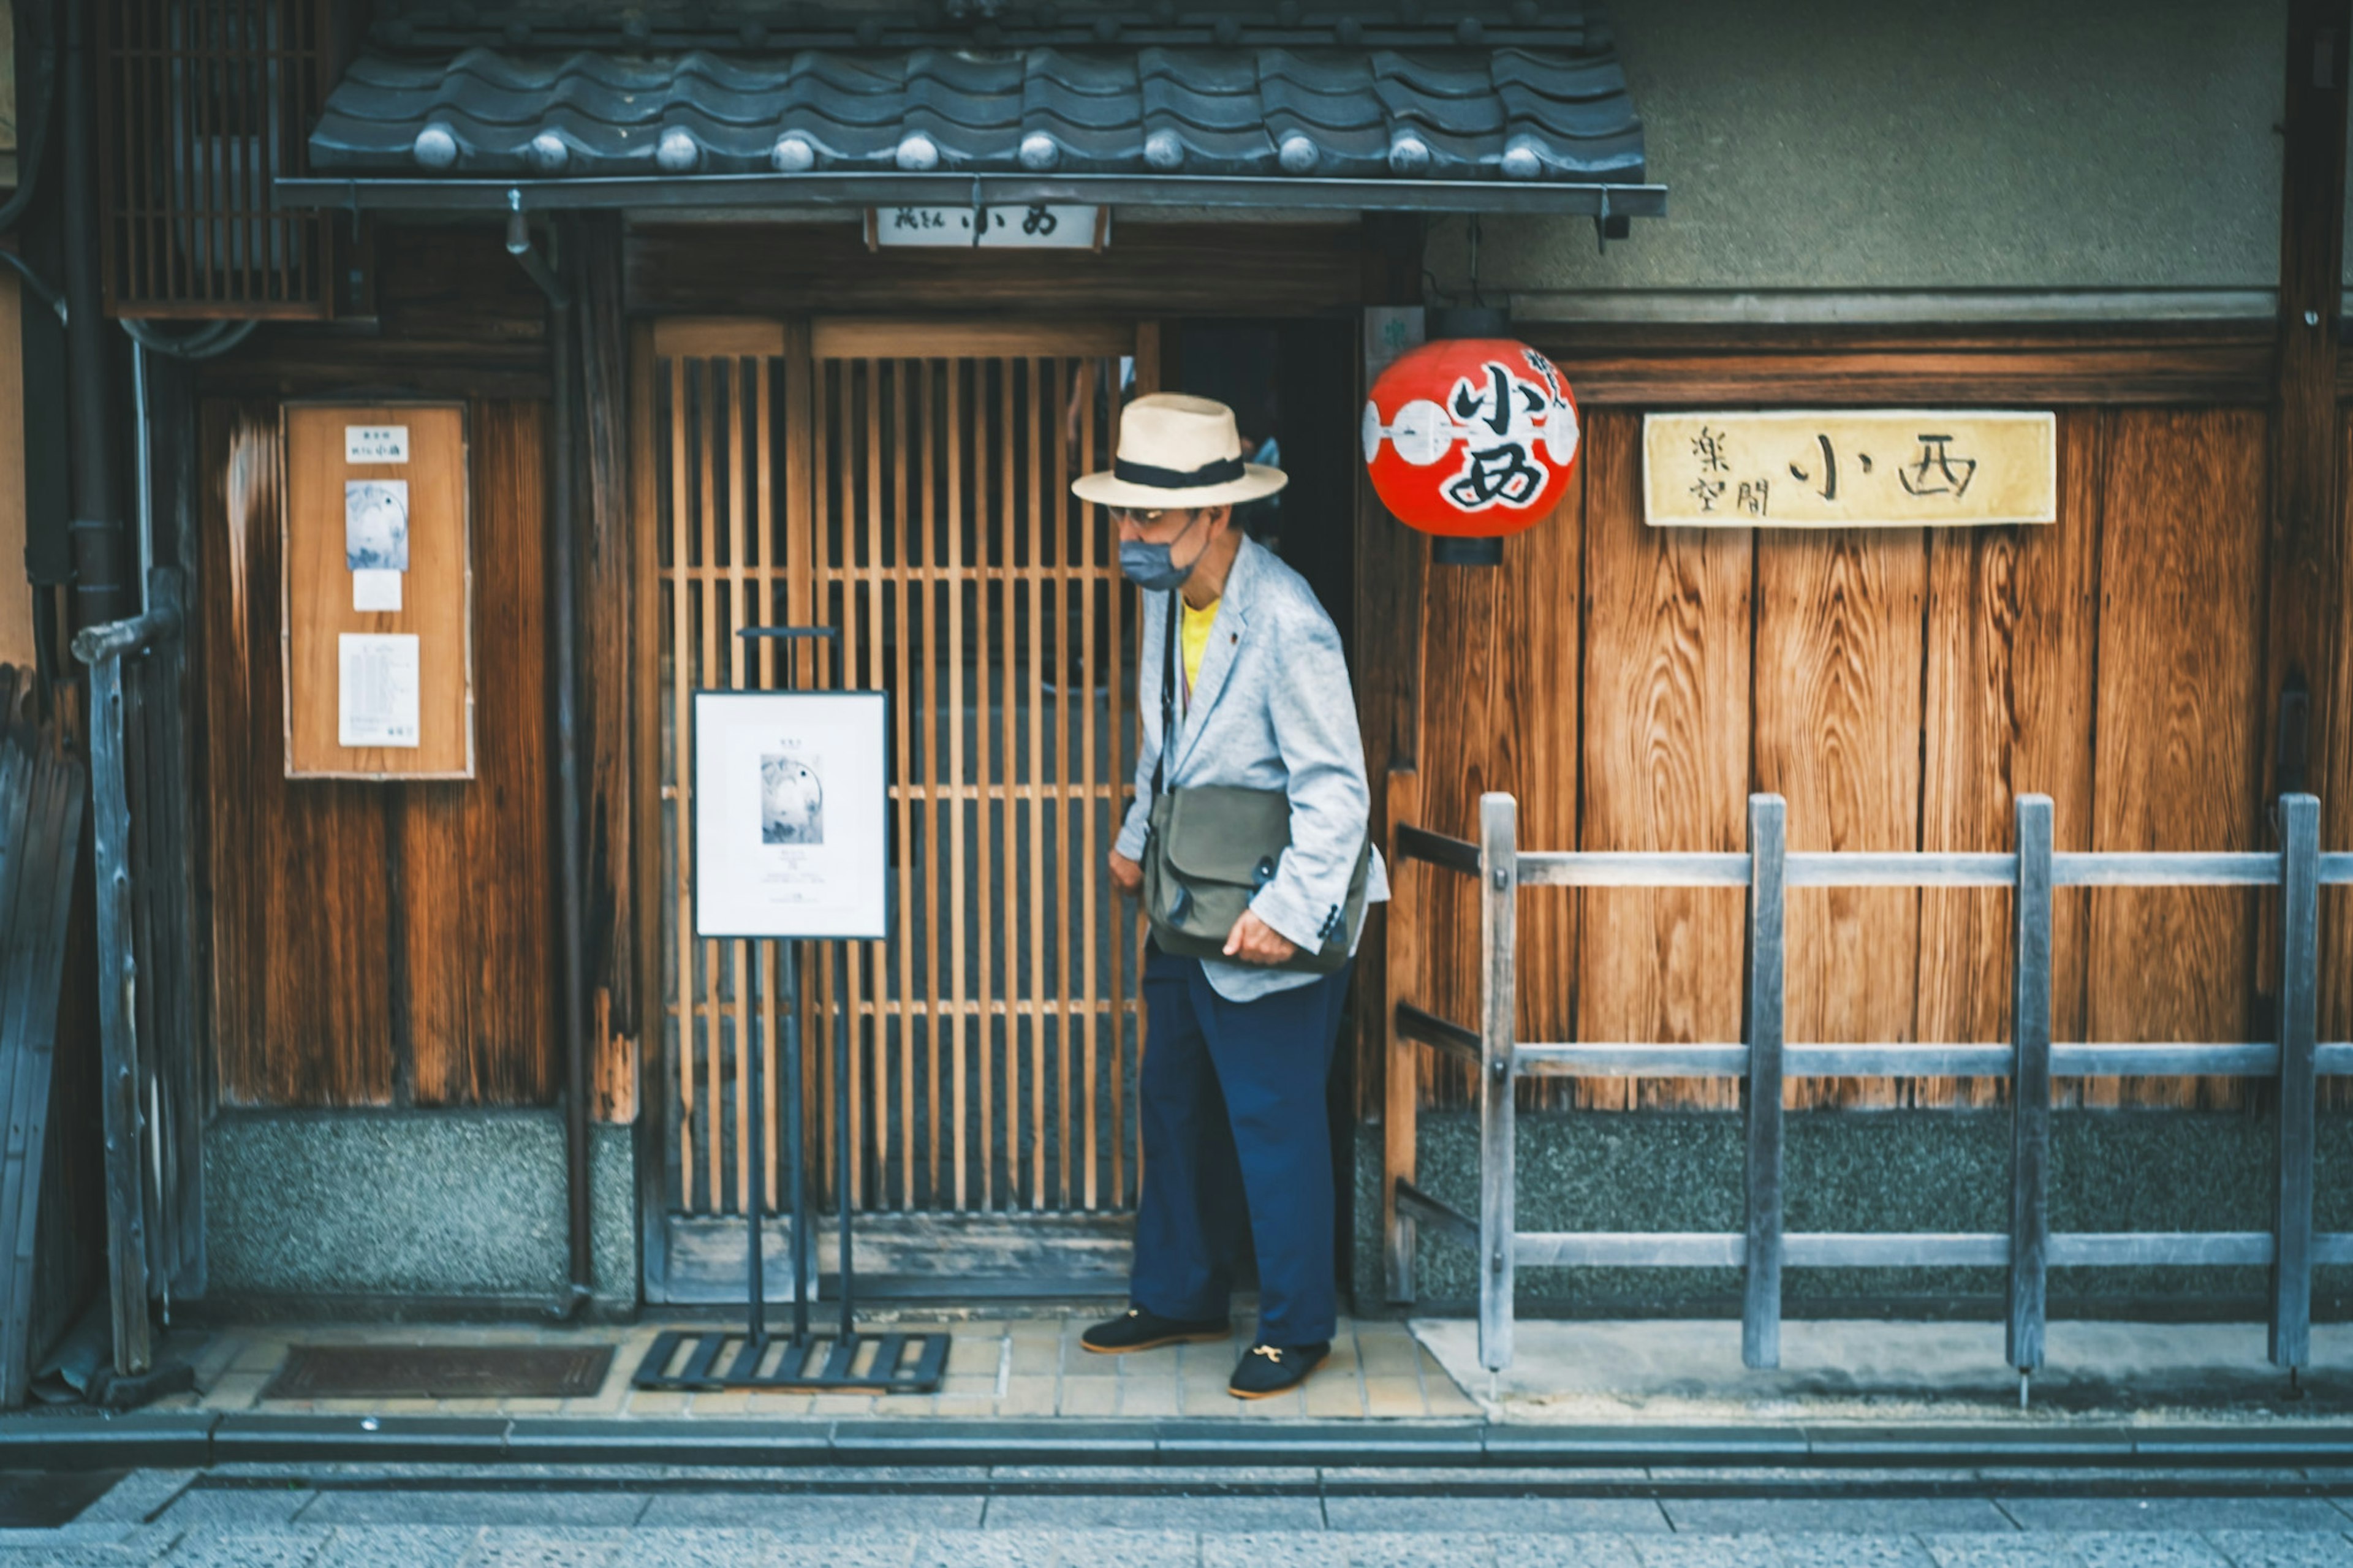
{"x": 1470, "y": 438}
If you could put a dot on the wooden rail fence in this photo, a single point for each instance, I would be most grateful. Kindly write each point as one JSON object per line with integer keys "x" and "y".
{"x": 2029, "y": 1060}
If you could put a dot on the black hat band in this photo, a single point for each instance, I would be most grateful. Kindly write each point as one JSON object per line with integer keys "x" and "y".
{"x": 1225, "y": 471}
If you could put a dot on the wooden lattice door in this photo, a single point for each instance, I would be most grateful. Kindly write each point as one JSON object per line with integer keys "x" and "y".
{"x": 908, "y": 483}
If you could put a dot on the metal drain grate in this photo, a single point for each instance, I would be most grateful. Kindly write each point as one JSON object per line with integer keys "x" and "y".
{"x": 441, "y": 1372}
{"x": 704, "y": 1359}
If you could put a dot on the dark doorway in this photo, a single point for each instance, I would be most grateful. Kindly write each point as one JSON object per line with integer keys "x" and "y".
{"x": 1291, "y": 383}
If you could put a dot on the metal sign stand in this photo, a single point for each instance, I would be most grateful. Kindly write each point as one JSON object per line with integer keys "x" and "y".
{"x": 688, "y": 1360}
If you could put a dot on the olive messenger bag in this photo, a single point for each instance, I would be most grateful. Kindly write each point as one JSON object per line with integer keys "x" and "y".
{"x": 1213, "y": 846}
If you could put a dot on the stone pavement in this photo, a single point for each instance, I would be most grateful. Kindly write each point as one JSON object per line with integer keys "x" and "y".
{"x": 1684, "y": 1370}
{"x": 180, "y": 1519}
{"x": 1023, "y": 1363}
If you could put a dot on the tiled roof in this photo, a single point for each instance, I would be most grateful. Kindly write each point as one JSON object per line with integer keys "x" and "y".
{"x": 1445, "y": 112}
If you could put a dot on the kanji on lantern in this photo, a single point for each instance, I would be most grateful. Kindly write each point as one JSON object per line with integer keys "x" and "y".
{"x": 1471, "y": 436}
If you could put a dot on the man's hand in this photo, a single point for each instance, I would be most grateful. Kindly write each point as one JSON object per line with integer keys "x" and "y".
{"x": 1126, "y": 875}
{"x": 1254, "y": 942}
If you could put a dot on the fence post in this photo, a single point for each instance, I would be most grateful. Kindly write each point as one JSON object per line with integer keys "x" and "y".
{"x": 126, "y": 1218}
{"x": 1401, "y": 1090}
{"x": 2029, "y": 1147}
{"x": 1499, "y": 891}
{"x": 1760, "y": 1317}
{"x": 2299, "y": 974}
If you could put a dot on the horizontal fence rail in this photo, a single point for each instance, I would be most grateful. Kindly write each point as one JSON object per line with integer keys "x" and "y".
{"x": 2031, "y": 1060}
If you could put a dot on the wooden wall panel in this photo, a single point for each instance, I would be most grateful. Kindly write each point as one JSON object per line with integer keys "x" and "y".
{"x": 1504, "y": 717}
{"x": 2008, "y": 710}
{"x": 373, "y": 944}
{"x": 1665, "y": 766}
{"x": 294, "y": 871}
{"x": 2332, "y": 774}
{"x": 477, "y": 946}
{"x": 1839, "y": 617}
{"x": 2180, "y": 733}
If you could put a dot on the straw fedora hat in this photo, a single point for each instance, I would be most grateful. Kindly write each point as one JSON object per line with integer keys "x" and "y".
{"x": 1178, "y": 451}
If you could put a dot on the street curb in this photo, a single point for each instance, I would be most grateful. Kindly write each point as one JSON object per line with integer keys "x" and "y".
{"x": 199, "y": 1440}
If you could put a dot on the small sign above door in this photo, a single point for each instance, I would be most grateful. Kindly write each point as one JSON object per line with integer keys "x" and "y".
{"x": 1850, "y": 469}
{"x": 1041, "y": 226}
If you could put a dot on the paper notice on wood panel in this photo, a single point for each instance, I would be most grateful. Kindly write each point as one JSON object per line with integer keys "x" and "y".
{"x": 1848, "y": 468}
{"x": 376, "y": 589}
{"x": 375, "y": 695}
{"x": 376, "y": 443}
{"x": 791, "y": 836}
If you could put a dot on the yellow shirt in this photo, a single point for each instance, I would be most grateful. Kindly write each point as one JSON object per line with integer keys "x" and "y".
{"x": 1195, "y": 635}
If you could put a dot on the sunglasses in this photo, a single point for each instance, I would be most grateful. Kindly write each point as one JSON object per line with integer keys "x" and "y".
{"x": 1122, "y": 516}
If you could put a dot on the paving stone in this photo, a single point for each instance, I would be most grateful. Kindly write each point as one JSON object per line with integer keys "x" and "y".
{"x": 542, "y": 1548}
{"x": 1057, "y": 1549}
{"x": 1580, "y": 1549}
{"x": 1473, "y": 1515}
{"x": 2193, "y": 1514}
{"x": 407, "y": 1545}
{"x": 137, "y": 1498}
{"x": 1126, "y": 1549}
{"x": 2140, "y": 1549}
{"x": 1221, "y": 1515}
{"x": 2282, "y": 1549}
{"x": 1866, "y": 1516}
{"x": 814, "y": 1513}
{"x": 1840, "y": 1550}
{"x": 1707, "y": 1551}
{"x": 1302, "y": 1549}
{"x": 511, "y": 1509}
{"x": 235, "y": 1508}
{"x": 210, "y": 1548}
{"x": 2014, "y": 1550}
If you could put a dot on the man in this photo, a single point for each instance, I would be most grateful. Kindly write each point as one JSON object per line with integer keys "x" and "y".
{"x": 1236, "y": 1148}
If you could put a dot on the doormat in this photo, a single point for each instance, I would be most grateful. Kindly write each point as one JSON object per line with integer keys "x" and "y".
{"x": 440, "y": 1372}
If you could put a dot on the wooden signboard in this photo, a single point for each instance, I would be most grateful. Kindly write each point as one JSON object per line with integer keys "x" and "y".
{"x": 1850, "y": 469}
{"x": 377, "y": 591}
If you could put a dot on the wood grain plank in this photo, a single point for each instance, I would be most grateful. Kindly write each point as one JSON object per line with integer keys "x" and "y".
{"x": 2179, "y": 729}
{"x": 1509, "y": 723}
{"x": 2012, "y": 617}
{"x": 296, "y": 870}
{"x": 1665, "y": 767}
{"x": 1838, "y": 678}
{"x": 476, "y": 856}
{"x": 2333, "y": 777}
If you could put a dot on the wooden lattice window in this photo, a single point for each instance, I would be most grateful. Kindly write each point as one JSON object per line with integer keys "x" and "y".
{"x": 202, "y": 104}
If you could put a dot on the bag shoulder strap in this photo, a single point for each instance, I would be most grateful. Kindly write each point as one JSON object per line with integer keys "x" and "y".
{"x": 1168, "y": 656}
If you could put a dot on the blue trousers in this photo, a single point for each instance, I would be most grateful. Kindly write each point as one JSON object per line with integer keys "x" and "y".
{"x": 1236, "y": 1150}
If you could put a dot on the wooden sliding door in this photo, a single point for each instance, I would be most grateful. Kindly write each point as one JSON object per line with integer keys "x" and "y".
{"x": 907, "y": 482}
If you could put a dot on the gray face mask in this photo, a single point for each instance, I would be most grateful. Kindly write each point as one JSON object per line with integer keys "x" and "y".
{"x": 1150, "y": 567}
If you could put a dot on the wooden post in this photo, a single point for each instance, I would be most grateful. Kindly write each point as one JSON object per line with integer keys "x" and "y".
{"x": 1760, "y": 1316}
{"x": 2307, "y": 551}
{"x": 1401, "y": 1084}
{"x": 2029, "y": 1158}
{"x": 1499, "y": 896}
{"x": 126, "y": 1222}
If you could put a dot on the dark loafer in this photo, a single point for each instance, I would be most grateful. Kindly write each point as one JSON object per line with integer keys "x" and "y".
{"x": 1269, "y": 1370}
{"x": 1138, "y": 1329}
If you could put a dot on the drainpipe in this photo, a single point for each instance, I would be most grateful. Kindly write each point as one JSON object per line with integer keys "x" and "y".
{"x": 102, "y": 588}
{"x": 571, "y": 1009}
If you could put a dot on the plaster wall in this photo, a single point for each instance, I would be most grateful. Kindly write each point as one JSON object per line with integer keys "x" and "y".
{"x": 362, "y": 1207}
{"x": 1847, "y": 144}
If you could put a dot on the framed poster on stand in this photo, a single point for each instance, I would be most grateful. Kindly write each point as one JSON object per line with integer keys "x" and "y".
{"x": 791, "y": 829}
{"x": 789, "y": 801}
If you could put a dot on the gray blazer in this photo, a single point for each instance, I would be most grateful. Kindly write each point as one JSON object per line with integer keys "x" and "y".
{"x": 1271, "y": 711}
